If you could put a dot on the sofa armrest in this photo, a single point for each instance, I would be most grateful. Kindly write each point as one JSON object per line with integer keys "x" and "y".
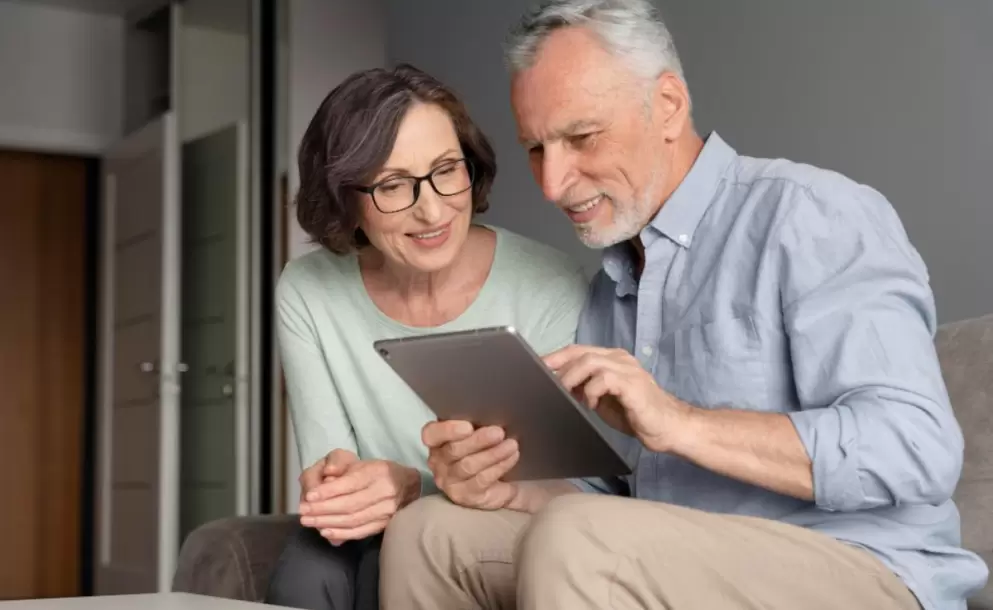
{"x": 233, "y": 557}
{"x": 965, "y": 349}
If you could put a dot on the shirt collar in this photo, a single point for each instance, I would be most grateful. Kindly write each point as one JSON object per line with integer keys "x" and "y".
{"x": 682, "y": 212}
{"x": 679, "y": 217}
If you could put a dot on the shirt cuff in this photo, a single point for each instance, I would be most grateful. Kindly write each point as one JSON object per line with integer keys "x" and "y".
{"x": 829, "y": 436}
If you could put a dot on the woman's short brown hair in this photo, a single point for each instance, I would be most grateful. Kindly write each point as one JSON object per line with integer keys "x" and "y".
{"x": 351, "y": 137}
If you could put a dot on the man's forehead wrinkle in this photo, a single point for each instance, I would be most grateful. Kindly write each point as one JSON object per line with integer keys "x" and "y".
{"x": 558, "y": 100}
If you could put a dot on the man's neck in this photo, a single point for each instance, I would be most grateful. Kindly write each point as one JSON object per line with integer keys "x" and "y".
{"x": 685, "y": 154}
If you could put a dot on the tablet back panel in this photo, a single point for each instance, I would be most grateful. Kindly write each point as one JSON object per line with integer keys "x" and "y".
{"x": 491, "y": 376}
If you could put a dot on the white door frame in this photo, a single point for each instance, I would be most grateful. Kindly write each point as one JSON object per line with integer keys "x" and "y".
{"x": 243, "y": 392}
{"x": 172, "y": 368}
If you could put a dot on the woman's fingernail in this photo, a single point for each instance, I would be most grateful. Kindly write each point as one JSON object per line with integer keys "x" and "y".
{"x": 312, "y": 496}
{"x": 308, "y": 521}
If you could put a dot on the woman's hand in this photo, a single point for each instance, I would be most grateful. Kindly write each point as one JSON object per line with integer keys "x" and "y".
{"x": 357, "y": 498}
{"x": 331, "y": 464}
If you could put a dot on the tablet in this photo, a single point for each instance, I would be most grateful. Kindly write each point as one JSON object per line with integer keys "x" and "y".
{"x": 492, "y": 377}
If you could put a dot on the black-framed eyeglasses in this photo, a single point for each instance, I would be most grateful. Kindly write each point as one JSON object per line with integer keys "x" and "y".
{"x": 398, "y": 193}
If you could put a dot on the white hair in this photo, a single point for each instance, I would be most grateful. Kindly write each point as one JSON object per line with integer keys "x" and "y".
{"x": 630, "y": 30}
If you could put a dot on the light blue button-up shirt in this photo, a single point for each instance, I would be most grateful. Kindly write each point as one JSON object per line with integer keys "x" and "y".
{"x": 779, "y": 287}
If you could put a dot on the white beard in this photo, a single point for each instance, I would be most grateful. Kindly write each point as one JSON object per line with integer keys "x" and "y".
{"x": 628, "y": 219}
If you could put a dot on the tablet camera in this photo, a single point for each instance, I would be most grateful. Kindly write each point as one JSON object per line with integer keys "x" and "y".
{"x": 384, "y": 353}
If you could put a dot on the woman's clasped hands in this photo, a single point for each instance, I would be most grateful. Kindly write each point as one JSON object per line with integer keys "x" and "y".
{"x": 346, "y": 498}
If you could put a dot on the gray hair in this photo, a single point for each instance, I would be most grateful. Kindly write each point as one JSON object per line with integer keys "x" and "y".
{"x": 630, "y": 30}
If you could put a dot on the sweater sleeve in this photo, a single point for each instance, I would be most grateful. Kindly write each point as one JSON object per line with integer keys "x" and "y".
{"x": 561, "y": 302}
{"x": 319, "y": 419}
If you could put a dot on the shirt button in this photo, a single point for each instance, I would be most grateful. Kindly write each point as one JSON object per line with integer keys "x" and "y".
{"x": 646, "y": 350}
{"x": 684, "y": 239}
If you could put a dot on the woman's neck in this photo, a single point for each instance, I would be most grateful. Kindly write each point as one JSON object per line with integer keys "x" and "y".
{"x": 411, "y": 284}
{"x": 431, "y": 298}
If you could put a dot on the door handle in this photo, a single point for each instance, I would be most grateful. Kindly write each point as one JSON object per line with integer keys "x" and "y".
{"x": 149, "y": 366}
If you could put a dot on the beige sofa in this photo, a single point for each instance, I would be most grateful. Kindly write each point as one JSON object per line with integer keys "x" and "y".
{"x": 234, "y": 557}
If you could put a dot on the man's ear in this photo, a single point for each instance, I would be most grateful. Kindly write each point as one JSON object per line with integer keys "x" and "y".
{"x": 672, "y": 105}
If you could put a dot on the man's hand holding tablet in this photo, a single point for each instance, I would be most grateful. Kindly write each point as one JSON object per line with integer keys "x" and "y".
{"x": 469, "y": 464}
{"x": 506, "y": 425}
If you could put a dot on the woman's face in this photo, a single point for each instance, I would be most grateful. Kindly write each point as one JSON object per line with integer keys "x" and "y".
{"x": 428, "y": 235}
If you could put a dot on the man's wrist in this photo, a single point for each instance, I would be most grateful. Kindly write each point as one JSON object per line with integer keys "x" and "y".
{"x": 522, "y": 499}
{"x": 531, "y": 497}
{"x": 684, "y": 429}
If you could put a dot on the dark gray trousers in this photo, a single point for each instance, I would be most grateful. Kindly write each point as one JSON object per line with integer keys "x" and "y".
{"x": 314, "y": 575}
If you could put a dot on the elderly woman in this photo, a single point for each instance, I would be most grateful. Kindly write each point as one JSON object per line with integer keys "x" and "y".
{"x": 393, "y": 173}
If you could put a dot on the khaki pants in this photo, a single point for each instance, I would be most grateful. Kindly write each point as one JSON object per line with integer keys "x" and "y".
{"x": 587, "y": 551}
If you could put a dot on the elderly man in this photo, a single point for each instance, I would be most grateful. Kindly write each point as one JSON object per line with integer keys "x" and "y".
{"x": 761, "y": 337}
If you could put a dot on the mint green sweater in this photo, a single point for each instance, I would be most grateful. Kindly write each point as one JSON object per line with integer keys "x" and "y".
{"x": 341, "y": 393}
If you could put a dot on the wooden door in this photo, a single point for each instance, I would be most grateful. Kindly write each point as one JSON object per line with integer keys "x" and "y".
{"x": 42, "y": 382}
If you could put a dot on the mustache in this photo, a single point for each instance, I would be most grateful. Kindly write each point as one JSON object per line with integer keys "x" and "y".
{"x": 569, "y": 202}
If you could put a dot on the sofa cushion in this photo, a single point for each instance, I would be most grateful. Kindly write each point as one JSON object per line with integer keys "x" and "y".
{"x": 966, "y": 352}
{"x": 233, "y": 557}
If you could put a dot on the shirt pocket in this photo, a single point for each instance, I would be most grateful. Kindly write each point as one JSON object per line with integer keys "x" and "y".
{"x": 722, "y": 364}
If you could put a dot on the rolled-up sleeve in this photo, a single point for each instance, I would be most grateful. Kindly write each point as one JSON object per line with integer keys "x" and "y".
{"x": 875, "y": 416}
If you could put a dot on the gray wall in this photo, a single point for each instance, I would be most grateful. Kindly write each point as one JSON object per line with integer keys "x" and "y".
{"x": 894, "y": 93}
{"x": 326, "y": 40}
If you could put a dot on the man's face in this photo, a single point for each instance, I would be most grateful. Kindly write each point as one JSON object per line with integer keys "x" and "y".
{"x": 592, "y": 132}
